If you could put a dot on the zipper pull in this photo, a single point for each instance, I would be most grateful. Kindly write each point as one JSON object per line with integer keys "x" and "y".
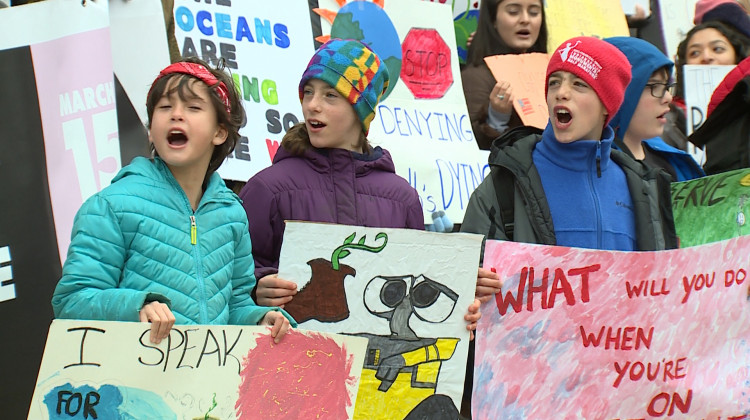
{"x": 599, "y": 159}
{"x": 193, "y": 231}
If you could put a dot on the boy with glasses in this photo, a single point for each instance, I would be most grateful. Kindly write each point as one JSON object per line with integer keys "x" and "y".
{"x": 640, "y": 122}
{"x": 566, "y": 186}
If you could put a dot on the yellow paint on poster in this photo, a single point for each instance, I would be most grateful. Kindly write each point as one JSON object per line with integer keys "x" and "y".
{"x": 570, "y": 18}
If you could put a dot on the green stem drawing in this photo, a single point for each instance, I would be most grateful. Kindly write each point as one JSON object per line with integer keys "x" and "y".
{"x": 343, "y": 250}
{"x": 213, "y": 405}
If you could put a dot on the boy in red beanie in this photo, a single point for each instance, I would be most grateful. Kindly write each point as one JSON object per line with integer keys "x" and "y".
{"x": 566, "y": 185}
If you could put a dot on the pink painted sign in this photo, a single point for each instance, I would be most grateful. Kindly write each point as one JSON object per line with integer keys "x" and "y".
{"x": 77, "y": 102}
{"x": 615, "y": 335}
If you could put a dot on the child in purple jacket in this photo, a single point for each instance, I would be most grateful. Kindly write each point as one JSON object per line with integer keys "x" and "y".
{"x": 325, "y": 169}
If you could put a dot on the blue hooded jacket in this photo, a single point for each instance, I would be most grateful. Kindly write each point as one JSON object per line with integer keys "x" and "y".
{"x": 645, "y": 59}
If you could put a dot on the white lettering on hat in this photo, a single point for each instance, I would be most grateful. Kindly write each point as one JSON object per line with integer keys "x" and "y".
{"x": 579, "y": 58}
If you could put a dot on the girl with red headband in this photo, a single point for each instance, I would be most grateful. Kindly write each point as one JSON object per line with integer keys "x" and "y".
{"x": 167, "y": 242}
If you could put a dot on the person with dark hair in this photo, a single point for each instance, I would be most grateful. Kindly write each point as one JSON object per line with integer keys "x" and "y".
{"x": 711, "y": 42}
{"x": 566, "y": 186}
{"x": 140, "y": 246}
{"x": 504, "y": 27}
{"x": 640, "y": 121}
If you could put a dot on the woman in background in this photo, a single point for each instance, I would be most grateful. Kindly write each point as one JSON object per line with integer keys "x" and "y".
{"x": 505, "y": 27}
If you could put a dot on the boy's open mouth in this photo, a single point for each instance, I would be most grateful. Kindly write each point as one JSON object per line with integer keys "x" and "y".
{"x": 176, "y": 138}
{"x": 316, "y": 124}
{"x": 563, "y": 116}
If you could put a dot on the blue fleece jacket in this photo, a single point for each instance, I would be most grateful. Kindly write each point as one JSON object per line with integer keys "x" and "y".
{"x": 587, "y": 193}
{"x": 645, "y": 59}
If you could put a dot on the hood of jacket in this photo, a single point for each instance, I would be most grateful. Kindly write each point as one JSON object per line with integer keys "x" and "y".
{"x": 644, "y": 59}
{"x": 322, "y": 160}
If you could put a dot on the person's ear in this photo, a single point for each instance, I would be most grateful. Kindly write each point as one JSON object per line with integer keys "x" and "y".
{"x": 220, "y": 136}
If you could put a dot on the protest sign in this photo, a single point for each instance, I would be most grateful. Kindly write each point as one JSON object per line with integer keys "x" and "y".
{"x": 571, "y": 18}
{"x": 712, "y": 208}
{"x": 405, "y": 290}
{"x": 59, "y": 145}
{"x": 266, "y": 46}
{"x": 422, "y": 119}
{"x": 700, "y": 81}
{"x": 526, "y": 73}
{"x": 107, "y": 370}
{"x": 606, "y": 334}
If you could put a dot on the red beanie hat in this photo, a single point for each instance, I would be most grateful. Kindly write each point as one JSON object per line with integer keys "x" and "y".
{"x": 600, "y": 64}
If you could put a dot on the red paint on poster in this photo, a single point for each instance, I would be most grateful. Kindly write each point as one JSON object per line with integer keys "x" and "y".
{"x": 305, "y": 376}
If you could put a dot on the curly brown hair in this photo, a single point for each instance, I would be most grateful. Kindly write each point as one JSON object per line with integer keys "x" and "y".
{"x": 740, "y": 43}
{"x": 297, "y": 140}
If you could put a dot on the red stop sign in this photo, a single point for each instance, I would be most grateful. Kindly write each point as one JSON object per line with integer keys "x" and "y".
{"x": 426, "y": 64}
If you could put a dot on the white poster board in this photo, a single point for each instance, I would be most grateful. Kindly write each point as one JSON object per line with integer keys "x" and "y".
{"x": 108, "y": 370}
{"x": 266, "y": 46}
{"x": 405, "y": 290}
{"x": 138, "y": 55}
{"x": 700, "y": 83}
{"x": 676, "y": 21}
{"x": 423, "y": 122}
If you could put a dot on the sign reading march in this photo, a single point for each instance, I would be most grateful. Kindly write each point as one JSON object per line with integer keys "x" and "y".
{"x": 110, "y": 370}
{"x": 406, "y": 291}
{"x": 605, "y": 334}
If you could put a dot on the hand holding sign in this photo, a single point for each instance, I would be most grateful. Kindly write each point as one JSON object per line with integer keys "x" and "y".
{"x": 526, "y": 74}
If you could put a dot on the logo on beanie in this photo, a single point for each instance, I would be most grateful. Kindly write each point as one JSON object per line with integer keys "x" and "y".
{"x": 579, "y": 58}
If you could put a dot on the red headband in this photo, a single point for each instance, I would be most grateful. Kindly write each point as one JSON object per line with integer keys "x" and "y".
{"x": 200, "y": 72}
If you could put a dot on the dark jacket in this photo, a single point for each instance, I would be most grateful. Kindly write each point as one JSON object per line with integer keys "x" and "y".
{"x": 726, "y": 132}
{"x": 649, "y": 190}
{"x": 328, "y": 185}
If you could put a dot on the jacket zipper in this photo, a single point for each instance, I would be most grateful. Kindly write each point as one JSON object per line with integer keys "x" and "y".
{"x": 193, "y": 231}
{"x": 596, "y": 196}
{"x": 203, "y": 311}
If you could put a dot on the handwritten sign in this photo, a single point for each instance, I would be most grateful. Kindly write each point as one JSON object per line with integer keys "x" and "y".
{"x": 266, "y": 47}
{"x": 721, "y": 202}
{"x": 421, "y": 120}
{"x": 105, "y": 369}
{"x": 427, "y": 134}
{"x": 527, "y": 74}
{"x": 571, "y": 18}
{"x": 405, "y": 290}
{"x": 700, "y": 83}
{"x": 606, "y": 334}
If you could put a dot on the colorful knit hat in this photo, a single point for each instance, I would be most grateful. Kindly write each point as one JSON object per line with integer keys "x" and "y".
{"x": 599, "y": 64}
{"x": 354, "y": 70}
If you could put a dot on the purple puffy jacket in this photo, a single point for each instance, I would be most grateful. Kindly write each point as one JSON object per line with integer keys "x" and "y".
{"x": 325, "y": 185}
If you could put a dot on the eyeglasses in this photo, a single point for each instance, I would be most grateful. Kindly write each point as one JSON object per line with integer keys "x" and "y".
{"x": 658, "y": 90}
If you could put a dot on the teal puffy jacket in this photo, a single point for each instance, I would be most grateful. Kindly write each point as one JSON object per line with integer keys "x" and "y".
{"x": 133, "y": 243}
